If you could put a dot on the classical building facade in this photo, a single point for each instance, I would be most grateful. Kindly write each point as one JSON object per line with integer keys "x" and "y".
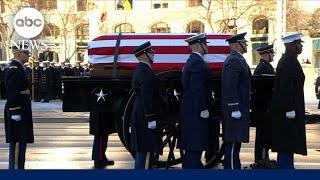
{"x": 66, "y": 29}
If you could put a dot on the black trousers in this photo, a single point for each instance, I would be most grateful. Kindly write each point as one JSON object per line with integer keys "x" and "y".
{"x": 144, "y": 160}
{"x": 192, "y": 160}
{"x": 17, "y": 154}
{"x": 99, "y": 148}
{"x": 231, "y": 156}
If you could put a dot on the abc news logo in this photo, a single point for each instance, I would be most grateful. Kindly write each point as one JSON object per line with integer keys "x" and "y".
{"x": 28, "y": 22}
{"x": 29, "y": 44}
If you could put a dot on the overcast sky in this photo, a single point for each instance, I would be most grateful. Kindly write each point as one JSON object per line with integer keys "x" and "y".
{"x": 310, "y": 5}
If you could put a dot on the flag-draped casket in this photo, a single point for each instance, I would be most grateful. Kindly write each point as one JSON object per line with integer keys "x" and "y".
{"x": 171, "y": 51}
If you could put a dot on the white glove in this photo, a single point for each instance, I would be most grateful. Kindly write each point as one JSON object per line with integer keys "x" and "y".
{"x": 152, "y": 124}
{"x": 212, "y": 94}
{"x": 291, "y": 114}
{"x": 236, "y": 114}
{"x": 16, "y": 117}
{"x": 204, "y": 114}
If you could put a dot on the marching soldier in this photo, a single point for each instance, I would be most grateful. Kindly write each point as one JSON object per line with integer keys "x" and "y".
{"x": 145, "y": 113}
{"x": 235, "y": 100}
{"x": 18, "y": 114}
{"x": 45, "y": 83}
{"x": 78, "y": 70}
{"x": 37, "y": 81}
{"x": 262, "y": 100}
{"x": 288, "y": 108}
{"x": 195, "y": 105}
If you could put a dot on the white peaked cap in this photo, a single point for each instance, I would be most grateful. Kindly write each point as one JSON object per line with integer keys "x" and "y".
{"x": 292, "y": 37}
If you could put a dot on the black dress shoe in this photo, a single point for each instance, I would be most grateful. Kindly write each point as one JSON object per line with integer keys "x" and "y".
{"x": 103, "y": 163}
{"x": 109, "y": 162}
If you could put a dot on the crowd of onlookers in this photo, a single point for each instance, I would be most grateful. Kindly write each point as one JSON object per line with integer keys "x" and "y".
{"x": 45, "y": 78}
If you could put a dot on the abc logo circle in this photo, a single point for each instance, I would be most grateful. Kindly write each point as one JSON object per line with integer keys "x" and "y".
{"x": 28, "y": 22}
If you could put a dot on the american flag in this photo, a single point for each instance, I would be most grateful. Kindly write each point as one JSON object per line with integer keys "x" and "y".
{"x": 171, "y": 51}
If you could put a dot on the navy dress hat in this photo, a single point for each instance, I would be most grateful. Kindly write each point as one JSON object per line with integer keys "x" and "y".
{"x": 199, "y": 38}
{"x": 294, "y": 37}
{"x": 143, "y": 48}
{"x": 266, "y": 49}
{"x": 237, "y": 38}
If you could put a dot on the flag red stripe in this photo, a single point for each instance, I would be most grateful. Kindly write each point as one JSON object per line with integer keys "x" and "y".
{"x": 158, "y": 50}
{"x": 168, "y": 66}
{"x": 123, "y": 37}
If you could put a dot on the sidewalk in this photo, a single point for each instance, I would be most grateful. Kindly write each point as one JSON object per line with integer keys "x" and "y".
{"x": 51, "y": 112}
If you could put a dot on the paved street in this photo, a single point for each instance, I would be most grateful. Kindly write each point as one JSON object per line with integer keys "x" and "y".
{"x": 62, "y": 141}
{"x": 68, "y": 146}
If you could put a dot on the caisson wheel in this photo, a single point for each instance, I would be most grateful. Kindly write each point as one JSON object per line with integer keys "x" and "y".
{"x": 171, "y": 93}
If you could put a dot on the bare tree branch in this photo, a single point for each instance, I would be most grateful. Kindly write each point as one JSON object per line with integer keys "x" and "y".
{"x": 229, "y": 11}
{"x": 70, "y": 21}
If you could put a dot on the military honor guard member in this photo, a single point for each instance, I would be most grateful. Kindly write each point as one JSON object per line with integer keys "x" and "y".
{"x": 78, "y": 70}
{"x": 195, "y": 105}
{"x": 45, "y": 82}
{"x": 63, "y": 71}
{"x": 262, "y": 100}
{"x": 54, "y": 74}
{"x": 235, "y": 100}
{"x": 18, "y": 114}
{"x": 1, "y": 82}
{"x": 69, "y": 69}
{"x": 28, "y": 69}
{"x": 101, "y": 126}
{"x": 288, "y": 108}
{"x": 317, "y": 89}
{"x": 3, "y": 69}
{"x": 86, "y": 69}
{"x": 37, "y": 81}
{"x": 145, "y": 140}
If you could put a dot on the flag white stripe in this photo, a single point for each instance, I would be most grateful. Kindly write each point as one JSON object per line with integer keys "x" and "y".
{"x": 158, "y": 58}
{"x": 154, "y": 42}
{"x": 160, "y": 34}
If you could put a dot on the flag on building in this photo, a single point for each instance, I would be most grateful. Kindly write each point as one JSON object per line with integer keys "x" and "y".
{"x": 127, "y": 5}
{"x": 103, "y": 16}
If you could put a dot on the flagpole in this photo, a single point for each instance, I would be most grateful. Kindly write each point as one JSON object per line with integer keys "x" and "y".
{"x": 279, "y": 47}
{"x": 32, "y": 78}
